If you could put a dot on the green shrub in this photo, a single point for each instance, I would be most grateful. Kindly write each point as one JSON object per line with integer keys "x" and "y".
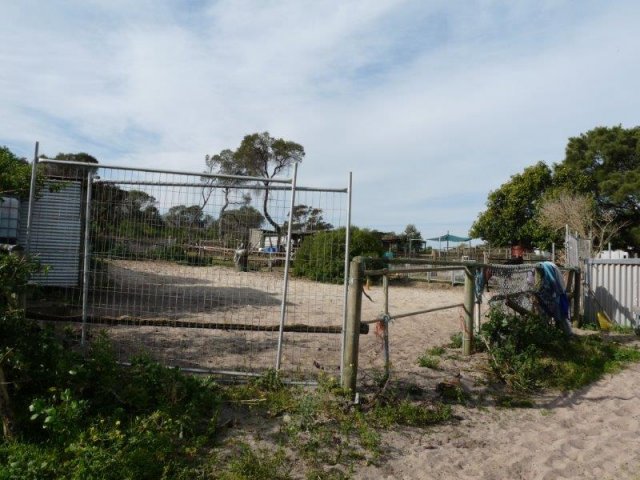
{"x": 456, "y": 340}
{"x": 321, "y": 256}
{"x": 428, "y": 361}
{"x": 528, "y": 353}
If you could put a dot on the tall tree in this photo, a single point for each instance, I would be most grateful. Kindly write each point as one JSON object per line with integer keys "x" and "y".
{"x": 69, "y": 171}
{"x": 510, "y": 217}
{"x": 15, "y": 174}
{"x": 183, "y": 217}
{"x": 263, "y": 156}
{"x": 579, "y": 212}
{"x": 307, "y": 219}
{"x": 224, "y": 163}
{"x": 237, "y": 223}
{"x": 605, "y": 162}
{"x": 602, "y": 164}
{"x": 412, "y": 238}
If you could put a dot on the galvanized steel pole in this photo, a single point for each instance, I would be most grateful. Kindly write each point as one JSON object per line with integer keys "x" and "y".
{"x": 87, "y": 255}
{"x": 347, "y": 247}
{"x": 32, "y": 197}
{"x": 287, "y": 262}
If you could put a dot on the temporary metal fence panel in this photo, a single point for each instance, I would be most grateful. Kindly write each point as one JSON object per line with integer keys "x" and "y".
{"x": 56, "y": 232}
{"x": 613, "y": 286}
{"x": 577, "y": 250}
{"x": 171, "y": 272}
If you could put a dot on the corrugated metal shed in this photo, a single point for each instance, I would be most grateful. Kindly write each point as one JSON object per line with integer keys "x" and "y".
{"x": 615, "y": 284}
{"x": 56, "y": 232}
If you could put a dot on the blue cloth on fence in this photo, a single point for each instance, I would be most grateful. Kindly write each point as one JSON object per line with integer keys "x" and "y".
{"x": 480, "y": 282}
{"x": 554, "y": 294}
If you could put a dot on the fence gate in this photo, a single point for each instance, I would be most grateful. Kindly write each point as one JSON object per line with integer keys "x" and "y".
{"x": 193, "y": 269}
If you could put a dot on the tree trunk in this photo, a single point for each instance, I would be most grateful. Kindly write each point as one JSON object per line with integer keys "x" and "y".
{"x": 222, "y": 210}
{"x": 266, "y": 213}
{"x": 6, "y": 412}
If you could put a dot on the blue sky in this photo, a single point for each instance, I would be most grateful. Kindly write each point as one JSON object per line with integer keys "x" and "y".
{"x": 431, "y": 104}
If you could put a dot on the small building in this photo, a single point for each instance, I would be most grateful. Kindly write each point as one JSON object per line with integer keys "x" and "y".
{"x": 57, "y": 227}
{"x": 267, "y": 240}
{"x": 613, "y": 254}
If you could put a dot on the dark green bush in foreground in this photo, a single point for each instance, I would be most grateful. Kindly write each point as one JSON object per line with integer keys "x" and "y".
{"x": 528, "y": 353}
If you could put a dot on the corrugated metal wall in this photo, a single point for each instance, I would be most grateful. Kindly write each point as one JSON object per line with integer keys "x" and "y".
{"x": 56, "y": 232}
{"x": 615, "y": 284}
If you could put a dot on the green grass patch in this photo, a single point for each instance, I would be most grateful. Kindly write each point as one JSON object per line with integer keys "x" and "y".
{"x": 427, "y": 361}
{"x": 436, "y": 351}
{"x": 510, "y": 401}
{"x": 455, "y": 340}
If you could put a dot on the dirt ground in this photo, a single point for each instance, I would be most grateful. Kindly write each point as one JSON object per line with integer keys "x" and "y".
{"x": 148, "y": 290}
{"x": 588, "y": 434}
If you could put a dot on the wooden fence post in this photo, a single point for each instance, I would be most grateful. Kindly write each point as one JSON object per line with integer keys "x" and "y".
{"x": 469, "y": 300}
{"x": 577, "y": 317}
{"x": 349, "y": 374}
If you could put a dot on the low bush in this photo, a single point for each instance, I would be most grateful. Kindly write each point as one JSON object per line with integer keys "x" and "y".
{"x": 528, "y": 353}
{"x": 321, "y": 255}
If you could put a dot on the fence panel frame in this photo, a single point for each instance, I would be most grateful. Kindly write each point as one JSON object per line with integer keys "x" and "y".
{"x": 287, "y": 184}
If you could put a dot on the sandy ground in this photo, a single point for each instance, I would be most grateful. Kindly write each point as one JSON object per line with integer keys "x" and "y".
{"x": 588, "y": 434}
{"x": 179, "y": 293}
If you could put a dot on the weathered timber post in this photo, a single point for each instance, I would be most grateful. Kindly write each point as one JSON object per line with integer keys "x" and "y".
{"x": 385, "y": 333}
{"x": 349, "y": 373}
{"x": 469, "y": 300}
{"x": 577, "y": 317}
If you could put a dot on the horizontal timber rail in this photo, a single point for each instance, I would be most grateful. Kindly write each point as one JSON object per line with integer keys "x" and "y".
{"x": 461, "y": 265}
{"x": 400, "y": 271}
{"x": 150, "y": 322}
{"x": 417, "y": 312}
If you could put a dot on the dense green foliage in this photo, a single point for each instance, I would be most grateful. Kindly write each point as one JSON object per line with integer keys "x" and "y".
{"x": 510, "y": 217}
{"x": 528, "y": 353}
{"x": 603, "y": 163}
{"x": 321, "y": 256}
{"x": 307, "y": 219}
{"x": 15, "y": 175}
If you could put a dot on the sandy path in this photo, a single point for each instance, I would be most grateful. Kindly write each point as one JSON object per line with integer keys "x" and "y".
{"x": 588, "y": 434}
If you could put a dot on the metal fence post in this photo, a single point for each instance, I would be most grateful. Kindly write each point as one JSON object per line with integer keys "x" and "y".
{"x": 469, "y": 300}
{"x": 287, "y": 262}
{"x": 347, "y": 245}
{"x": 32, "y": 197}
{"x": 385, "y": 333}
{"x": 86, "y": 263}
{"x": 349, "y": 373}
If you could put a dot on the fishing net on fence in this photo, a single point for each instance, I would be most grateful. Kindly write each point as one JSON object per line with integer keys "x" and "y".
{"x": 528, "y": 289}
{"x": 509, "y": 287}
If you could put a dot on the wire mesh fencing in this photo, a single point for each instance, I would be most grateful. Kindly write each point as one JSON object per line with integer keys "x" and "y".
{"x": 419, "y": 326}
{"x": 191, "y": 268}
{"x": 410, "y": 315}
